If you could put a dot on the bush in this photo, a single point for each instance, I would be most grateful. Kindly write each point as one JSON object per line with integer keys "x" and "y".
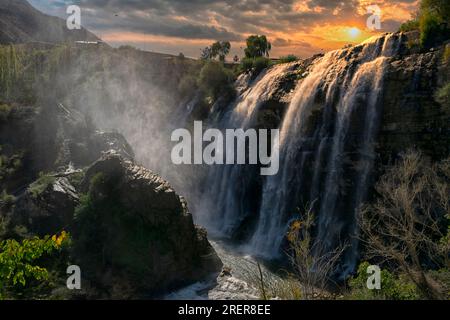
{"x": 260, "y": 64}
{"x": 432, "y": 21}
{"x": 429, "y": 28}
{"x": 312, "y": 261}
{"x": 216, "y": 80}
{"x": 18, "y": 261}
{"x": 255, "y": 64}
{"x": 392, "y": 287}
{"x": 6, "y": 200}
{"x": 288, "y": 58}
{"x": 410, "y": 25}
{"x": 76, "y": 179}
{"x": 405, "y": 224}
{"x": 247, "y": 64}
{"x": 40, "y": 185}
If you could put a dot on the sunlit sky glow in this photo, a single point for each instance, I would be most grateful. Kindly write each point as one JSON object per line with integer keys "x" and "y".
{"x": 296, "y": 27}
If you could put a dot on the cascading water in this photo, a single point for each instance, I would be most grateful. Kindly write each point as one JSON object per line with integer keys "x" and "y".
{"x": 225, "y": 204}
{"x": 326, "y": 152}
{"x": 345, "y": 87}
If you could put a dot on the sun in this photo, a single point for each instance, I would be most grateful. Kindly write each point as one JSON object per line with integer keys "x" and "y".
{"x": 354, "y": 32}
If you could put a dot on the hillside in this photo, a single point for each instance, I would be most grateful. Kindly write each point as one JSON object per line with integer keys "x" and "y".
{"x": 21, "y": 23}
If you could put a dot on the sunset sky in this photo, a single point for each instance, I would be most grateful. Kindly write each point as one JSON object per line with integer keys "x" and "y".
{"x": 173, "y": 26}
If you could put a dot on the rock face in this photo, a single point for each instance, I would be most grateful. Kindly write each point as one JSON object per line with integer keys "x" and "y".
{"x": 134, "y": 236}
{"x": 411, "y": 115}
{"x": 49, "y": 139}
{"x": 48, "y": 210}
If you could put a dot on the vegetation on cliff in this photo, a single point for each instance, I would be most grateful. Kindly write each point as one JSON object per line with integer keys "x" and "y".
{"x": 432, "y": 20}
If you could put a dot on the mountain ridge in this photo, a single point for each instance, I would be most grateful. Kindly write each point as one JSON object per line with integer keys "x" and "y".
{"x": 20, "y": 22}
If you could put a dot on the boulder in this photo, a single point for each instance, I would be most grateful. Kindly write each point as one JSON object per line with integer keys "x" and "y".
{"x": 46, "y": 207}
{"x": 134, "y": 236}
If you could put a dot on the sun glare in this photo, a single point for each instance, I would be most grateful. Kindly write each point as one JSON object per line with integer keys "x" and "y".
{"x": 354, "y": 32}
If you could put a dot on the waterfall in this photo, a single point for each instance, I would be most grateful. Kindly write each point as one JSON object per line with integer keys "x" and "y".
{"x": 344, "y": 86}
{"x": 225, "y": 204}
{"x": 327, "y": 140}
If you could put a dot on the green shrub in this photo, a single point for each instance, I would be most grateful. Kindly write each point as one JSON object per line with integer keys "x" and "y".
{"x": 40, "y": 185}
{"x": 6, "y": 200}
{"x": 429, "y": 28}
{"x": 76, "y": 179}
{"x": 392, "y": 287}
{"x": 432, "y": 21}
{"x": 216, "y": 80}
{"x": 288, "y": 58}
{"x": 255, "y": 64}
{"x": 18, "y": 261}
{"x": 260, "y": 64}
{"x": 410, "y": 25}
{"x": 246, "y": 64}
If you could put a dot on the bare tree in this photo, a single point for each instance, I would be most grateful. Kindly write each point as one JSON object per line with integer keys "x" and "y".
{"x": 406, "y": 224}
{"x": 313, "y": 263}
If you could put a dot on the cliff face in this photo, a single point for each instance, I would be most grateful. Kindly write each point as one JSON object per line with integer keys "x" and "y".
{"x": 411, "y": 115}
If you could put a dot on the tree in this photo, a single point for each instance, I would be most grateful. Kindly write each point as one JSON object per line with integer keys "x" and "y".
{"x": 432, "y": 20}
{"x": 257, "y": 46}
{"x": 206, "y": 54}
{"x": 314, "y": 265}
{"x": 219, "y": 49}
{"x": 216, "y": 80}
{"x": 405, "y": 226}
{"x": 18, "y": 260}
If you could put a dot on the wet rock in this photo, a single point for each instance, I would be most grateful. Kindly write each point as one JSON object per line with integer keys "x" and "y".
{"x": 47, "y": 207}
{"x": 143, "y": 231}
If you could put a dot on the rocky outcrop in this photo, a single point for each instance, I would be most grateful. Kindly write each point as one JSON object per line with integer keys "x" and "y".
{"x": 46, "y": 207}
{"x": 49, "y": 138}
{"x": 134, "y": 236}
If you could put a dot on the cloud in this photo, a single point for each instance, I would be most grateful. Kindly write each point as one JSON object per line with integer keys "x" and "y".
{"x": 279, "y": 42}
{"x": 288, "y": 23}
